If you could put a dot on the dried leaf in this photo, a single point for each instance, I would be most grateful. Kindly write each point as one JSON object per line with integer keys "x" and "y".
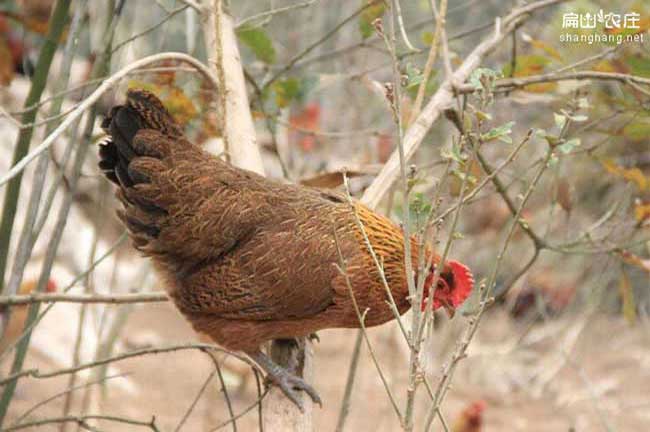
{"x": 627, "y": 298}
{"x": 641, "y": 211}
{"x": 630, "y": 258}
{"x": 634, "y": 175}
{"x": 333, "y": 179}
{"x": 638, "y": 130}
{"x": 527, "y": 65}
{"x": 563, "y": 194}
{"x": 6, "y": 63}
{"x": 548, "y": 49}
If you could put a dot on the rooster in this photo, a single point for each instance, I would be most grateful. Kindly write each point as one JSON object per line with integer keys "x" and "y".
{"x": 247, "y": 259}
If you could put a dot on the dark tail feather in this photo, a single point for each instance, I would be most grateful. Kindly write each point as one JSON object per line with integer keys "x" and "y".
{"x": 133, "y": 158}
{"x": 142, "y": 110}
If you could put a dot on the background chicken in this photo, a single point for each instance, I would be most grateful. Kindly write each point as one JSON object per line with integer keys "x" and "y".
{"x": 470, "y": 418}
{"x": 18, "y": 315}
{"x": 246, "y": 259}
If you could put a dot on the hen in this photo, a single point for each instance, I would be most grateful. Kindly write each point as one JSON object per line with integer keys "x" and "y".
{"x": 247, "y": 259}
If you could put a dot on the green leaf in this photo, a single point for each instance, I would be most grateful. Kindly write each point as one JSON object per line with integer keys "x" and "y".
{"x": 499, "y": 132}
{"x": 292, "y": 90}
{"x": 568, "y": 146}
{"x": 475, "y": 77}
{"x": 456, "y": 153}
{"x": 560, "y": 120}
{"x": 579, "y": 118}
{"x": 368, "y": 15}
{"x": 482, "y": 116}
{"x": 420, "y": 205}
{"x": 413, "y": 75}
{"x": 286, "y": 91}
{"x": 427, "y": 38}
{"x": 256, "y": 39}
{"x": 638, "y": 130}
{"x": 639, "y": 65}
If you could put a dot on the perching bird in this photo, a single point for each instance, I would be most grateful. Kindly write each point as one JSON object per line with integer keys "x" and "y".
{"x": 247, "y": 259}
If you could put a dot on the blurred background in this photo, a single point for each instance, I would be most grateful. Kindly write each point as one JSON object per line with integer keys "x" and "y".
{"x": 564, "y": 346}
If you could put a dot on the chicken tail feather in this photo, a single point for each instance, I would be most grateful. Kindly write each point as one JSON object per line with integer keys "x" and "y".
{"x": 136, "y": 157}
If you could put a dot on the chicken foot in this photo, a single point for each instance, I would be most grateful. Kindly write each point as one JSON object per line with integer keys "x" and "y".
{"x": 287, "y": 381}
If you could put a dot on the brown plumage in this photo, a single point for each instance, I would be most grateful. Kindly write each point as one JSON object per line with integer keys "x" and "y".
{"x": 247, "y": 259}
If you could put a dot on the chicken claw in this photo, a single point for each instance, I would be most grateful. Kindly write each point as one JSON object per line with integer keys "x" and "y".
{"x": 287, "y": 381}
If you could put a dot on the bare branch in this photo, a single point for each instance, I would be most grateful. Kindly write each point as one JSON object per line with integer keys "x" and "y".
{"x": 154, "y": 297}
{"x": 94, "y": 97}
{"x": 444, "y": 97}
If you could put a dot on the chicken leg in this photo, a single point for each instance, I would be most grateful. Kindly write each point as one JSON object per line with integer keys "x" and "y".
{"x": 287, "y": 381}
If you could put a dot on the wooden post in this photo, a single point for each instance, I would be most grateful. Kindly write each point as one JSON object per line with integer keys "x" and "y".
{"x": 280, "y": 414}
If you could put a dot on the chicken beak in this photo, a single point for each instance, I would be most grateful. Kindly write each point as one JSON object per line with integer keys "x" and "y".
{"x": 451, "y": 311}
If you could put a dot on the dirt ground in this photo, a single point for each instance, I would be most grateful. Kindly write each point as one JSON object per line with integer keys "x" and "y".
{"x": 582, "y": 374}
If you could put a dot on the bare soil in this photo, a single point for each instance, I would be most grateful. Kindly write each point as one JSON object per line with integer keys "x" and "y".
{"x": 576, "y": 373}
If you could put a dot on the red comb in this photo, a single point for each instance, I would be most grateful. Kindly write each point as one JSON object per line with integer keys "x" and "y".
{"x": 51, "y": 286}
{"x": 463, "y": 282}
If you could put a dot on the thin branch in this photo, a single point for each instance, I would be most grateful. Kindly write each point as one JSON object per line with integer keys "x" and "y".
{"x": 258, "y": 402}
{"x": 445, "y": 95}
{"x": 224, "y": 389}
{"x": 37, "y": 374}
{"x": 488, "y": 177}
{"x": 508, "y": 84}
{"x": 342, "y": 269}
{"x": 189, "y": 410}
{"x": 274, "y": 12}
{"x": 39, "y": 80}
{"x": 461, "y": 351}
{"x": 431, "y": 59}
{"x": 153, "y": 297}
{"x": 318, "y": 42}
{"x": 400, "y": 23}
{"x": 82, "y": 420}
{"x": 349, "y": 383}
{"x": 63, "y": 393}
{"x": 148, "y": 30}
{"x": 17, "y": 168}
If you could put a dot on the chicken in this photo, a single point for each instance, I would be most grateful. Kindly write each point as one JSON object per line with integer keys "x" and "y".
{"x": 247, "y": 259}
{"x": 470, "y": 419}
{"x": 18, "y": 315}
{"x": 546, "y": 292}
